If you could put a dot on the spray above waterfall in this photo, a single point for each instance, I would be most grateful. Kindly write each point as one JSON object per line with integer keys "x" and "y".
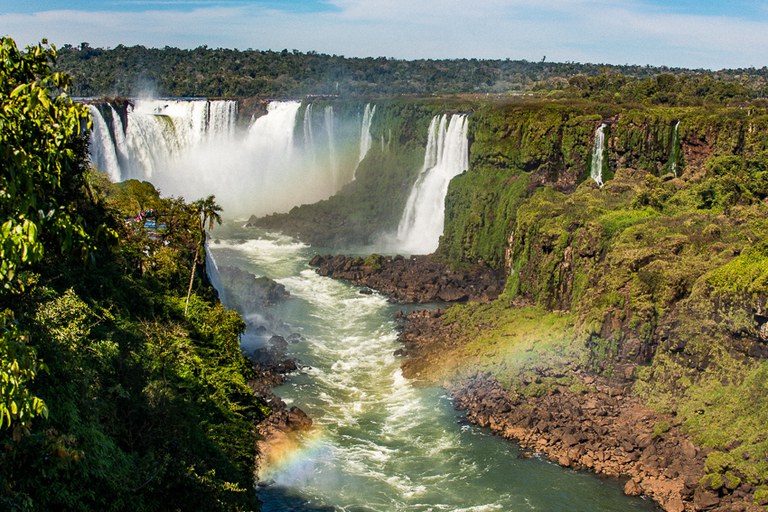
{"x": 447, "y": 155}
{"x": 598, "y": 149}
{"x": 193, "y": 148}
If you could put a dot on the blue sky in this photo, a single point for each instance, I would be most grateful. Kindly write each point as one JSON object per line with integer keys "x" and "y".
{"x": 685, "y": 33}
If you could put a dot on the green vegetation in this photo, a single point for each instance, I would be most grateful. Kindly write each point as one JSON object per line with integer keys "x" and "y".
{"x": 517, "y": 145}
{"x": 203, "y": 71}
{"x": 111, "y": 396}
{"x": 658, "y": 281}
{"x": 526, "y": 349}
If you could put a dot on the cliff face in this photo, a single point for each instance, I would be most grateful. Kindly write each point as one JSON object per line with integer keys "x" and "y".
{"x": 525, "y": 144}
{"x": 663, "y": 272}
{"x": 654, "y": 286}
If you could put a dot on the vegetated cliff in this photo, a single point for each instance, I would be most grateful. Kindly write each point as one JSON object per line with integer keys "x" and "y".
{"x": 646, "y": 296}
{"x": 655, "y": 285}
{"x": 652, "y": 287}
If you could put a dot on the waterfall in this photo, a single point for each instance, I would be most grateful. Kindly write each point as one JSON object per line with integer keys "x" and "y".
{"x": 157, "y": 131}
{"x": 103, "y": 150}
{"x": 214, "y": 276}
{"x": 193, "y": 148}
{"x": 366, "y": 140}
{"x": 675, "y": 150}
{"x": 118, "y": 132}
{"x": 309, "y": 137}
{"x": 597, "y": 156}
{"x": 446, "y": 156}
{"x": 330, "y": 131}
{"x": 270, "y": 137}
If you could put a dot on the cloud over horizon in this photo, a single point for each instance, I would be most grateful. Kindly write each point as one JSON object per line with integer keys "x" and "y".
{"x": 596, "y": 31}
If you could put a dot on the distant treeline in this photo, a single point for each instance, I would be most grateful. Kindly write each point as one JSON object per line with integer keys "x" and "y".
{"x": 227, "y": 73}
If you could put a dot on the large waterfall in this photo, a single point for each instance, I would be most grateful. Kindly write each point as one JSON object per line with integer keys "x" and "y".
{"x": 597, "y": 156}
{"x": 447, "y": 155}
{"x": 193, "y": 148}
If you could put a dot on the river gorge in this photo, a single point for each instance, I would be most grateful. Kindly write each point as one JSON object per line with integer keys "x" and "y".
{"x": 537, "y": 194}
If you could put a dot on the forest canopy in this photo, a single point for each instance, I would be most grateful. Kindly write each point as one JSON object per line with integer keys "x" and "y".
{"x": 218, "y": 73}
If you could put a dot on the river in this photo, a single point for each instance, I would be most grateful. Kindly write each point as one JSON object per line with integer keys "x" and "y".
{"x": 380, "y": 442}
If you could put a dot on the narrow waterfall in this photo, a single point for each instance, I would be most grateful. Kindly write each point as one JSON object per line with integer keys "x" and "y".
{"x": 118, "y": 132}
{"x": 214, "y": 276}
{"x": 309, "y": 136}
{"x": 194, "y": 148}
{"x": 330, "y": 130}
{"x": 597, "y": 156}
{"x": 675, "y": 150}
{"x": 447, "y": 155}
{"x": 366, "y": 140}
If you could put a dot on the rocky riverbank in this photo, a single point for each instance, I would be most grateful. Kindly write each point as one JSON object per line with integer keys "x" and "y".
{"x": 271, "y": 362}
{"x": 283, "y": 423}
{"x": 413, "y": 280}
{"x": 594, "y": 424}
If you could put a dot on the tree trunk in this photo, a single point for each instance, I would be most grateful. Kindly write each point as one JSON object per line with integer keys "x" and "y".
{"x": 191, "y": 279}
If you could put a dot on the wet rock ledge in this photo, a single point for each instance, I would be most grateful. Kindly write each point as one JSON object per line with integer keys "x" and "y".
{"x": 413, "y": 280}
{"x": 272, "y": 366}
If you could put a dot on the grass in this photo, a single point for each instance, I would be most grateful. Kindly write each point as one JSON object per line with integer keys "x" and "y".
{"x": 515, "y": 346}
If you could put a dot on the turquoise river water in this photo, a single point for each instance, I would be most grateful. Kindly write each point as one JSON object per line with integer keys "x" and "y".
{"x": 379, "y": 442}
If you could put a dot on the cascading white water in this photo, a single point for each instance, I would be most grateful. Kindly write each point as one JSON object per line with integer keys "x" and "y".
{"x": 309, "y": 136}
{"x": 193, "y": 149}
{"x": 597, "y": 156}
{"x": 330, "y": 131}
{"x": 674, "y": 152}
{"x": 156, "y": 133}
{"x": 447, "y": 155}
{"x": 271, "y": 136}
{"x": 366, "y": 140}
{"x": 118, "y": 131}
{"x": 103, "y": 150}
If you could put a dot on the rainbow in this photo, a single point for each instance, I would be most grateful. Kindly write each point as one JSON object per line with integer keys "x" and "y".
{"x": 290, "y": 459}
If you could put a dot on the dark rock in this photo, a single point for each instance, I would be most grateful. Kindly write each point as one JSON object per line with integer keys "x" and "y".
{"x": 418, "y": 279}
{"x": 704, "y": 499}
{"x": 298, "y": 419}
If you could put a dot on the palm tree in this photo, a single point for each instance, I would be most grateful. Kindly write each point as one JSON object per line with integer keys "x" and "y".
{"x": 207, "y": 213}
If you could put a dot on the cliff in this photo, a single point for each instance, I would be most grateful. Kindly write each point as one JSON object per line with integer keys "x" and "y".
{"x": 655, "y": 284}
{"x": 652, "y": 288}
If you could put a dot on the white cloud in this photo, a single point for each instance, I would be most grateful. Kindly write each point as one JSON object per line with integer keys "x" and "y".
{"x": 618, "y": 32}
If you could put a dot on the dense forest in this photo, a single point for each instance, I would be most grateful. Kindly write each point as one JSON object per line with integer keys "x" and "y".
{"x": 122, "y": 383}
{"x": 219, "y": 73}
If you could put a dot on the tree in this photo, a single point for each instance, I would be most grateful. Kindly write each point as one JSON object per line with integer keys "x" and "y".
{"x": 42, "y": 178}
{"x": 43, "y": 158}
{"x": 207, "y": 213}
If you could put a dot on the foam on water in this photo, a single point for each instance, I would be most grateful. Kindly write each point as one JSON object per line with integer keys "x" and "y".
{"x": 380, "y": 443}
